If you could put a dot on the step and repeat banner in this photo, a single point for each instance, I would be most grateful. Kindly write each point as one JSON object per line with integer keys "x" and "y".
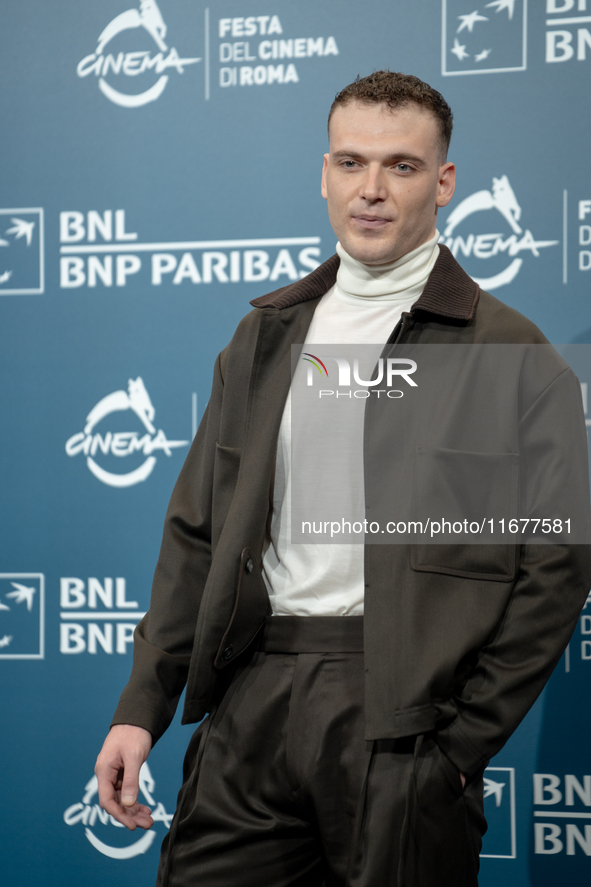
{"x": 160, "y": 168}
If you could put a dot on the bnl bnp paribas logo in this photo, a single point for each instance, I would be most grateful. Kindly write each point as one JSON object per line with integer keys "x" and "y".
{"x": 117, "y": 843}
{"x": 493, "y": 37}
{"x": 21, "y": 252}
{"x": 485, "y": 232}
{"x": 102, "y": 440}
{"x": 499, "y": 808}
{"x": 132, "y": 61}
{"x": 486, "y": 40}
{"x": 22, "y": 615}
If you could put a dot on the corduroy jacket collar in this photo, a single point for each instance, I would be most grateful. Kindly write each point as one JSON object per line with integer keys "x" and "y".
{"x": 449, "y": 291}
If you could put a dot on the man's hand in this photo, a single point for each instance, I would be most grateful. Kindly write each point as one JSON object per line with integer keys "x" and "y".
{"x": 117, "y": 769}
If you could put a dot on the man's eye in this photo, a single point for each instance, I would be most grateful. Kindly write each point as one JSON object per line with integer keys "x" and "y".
{"x": 349, "y": 164}
{"x": 403, "y": 167}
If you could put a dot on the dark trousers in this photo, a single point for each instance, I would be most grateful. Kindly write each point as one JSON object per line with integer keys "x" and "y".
{"x": 282, "y": 790}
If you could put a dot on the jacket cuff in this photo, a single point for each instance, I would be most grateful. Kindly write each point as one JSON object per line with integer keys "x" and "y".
{"x": 454, "y": 743}
{"x": 139, "y": 714}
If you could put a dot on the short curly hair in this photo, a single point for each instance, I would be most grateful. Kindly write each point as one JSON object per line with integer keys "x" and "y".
{"x": 397, "y": 90}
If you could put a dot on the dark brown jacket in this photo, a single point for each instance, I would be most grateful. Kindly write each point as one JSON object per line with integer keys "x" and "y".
{"x": 450, "y": 643}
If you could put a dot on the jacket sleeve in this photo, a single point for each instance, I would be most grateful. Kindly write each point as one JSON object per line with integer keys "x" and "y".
{"x": 164, "y": 637}
{"x": 551, "y": 588}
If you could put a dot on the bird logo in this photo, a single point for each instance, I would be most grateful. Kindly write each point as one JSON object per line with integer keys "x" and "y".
{"x": 509, "y": 5}
{"x": 468, "y": 21}
{"x": 494, "y": 788}
{"x": 22, "y": 616}
{"x": 22, "y": 594}
{"x": 494, "y": 34}
{"x": 20, "y": 229}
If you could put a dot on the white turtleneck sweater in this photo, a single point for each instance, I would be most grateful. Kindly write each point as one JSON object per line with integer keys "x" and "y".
{"x": 362, "y": 308}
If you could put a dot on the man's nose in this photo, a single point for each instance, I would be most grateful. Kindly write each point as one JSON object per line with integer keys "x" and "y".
{"x": 373, "y": 186}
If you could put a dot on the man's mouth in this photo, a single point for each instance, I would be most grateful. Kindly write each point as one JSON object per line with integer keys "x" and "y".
{"x": 370, "y": 222}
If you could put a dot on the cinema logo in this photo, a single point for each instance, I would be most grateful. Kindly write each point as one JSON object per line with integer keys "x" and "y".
{"x": 385, "y": 371}
{"x": 501, "y": 249}
{"x": 109, "y": 67}
{"x": 97, "y": 250}
{"x": 122, "y": 444}
{"x": 98, "y": 824}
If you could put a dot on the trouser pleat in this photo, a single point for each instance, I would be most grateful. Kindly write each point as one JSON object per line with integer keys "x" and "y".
{"x": 283, "y": 790}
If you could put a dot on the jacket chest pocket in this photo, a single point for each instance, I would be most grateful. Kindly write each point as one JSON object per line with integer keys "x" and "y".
{"x": 463, "y": 496}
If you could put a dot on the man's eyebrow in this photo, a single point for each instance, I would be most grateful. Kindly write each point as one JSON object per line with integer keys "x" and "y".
{"x": 390, "y": 158}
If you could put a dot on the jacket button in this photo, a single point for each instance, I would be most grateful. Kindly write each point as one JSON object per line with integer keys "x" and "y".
{"x": 249, "y": 565}
{"x": 228, "y": 653}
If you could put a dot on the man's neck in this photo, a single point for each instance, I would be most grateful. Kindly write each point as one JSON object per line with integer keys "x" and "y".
{"x": 392, "y": 279}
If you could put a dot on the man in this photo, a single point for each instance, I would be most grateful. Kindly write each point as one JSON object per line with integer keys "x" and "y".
{"x": 348, "y": 731}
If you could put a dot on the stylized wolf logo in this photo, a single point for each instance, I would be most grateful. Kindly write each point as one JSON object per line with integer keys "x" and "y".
{"x": 502, "y": 198}
{"x": 148, "y": 16}
{"x": 136, "y": 398}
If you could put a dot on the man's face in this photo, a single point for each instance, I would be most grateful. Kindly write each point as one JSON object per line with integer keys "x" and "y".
{"x": 384, "y": 179}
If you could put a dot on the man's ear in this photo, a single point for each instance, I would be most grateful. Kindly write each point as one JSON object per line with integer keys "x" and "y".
{"x": 323, "y": 189}
{"x": 446, "y": 184}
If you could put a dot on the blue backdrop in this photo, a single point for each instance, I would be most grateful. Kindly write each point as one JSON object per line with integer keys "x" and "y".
{"x": 161, "y": 167}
